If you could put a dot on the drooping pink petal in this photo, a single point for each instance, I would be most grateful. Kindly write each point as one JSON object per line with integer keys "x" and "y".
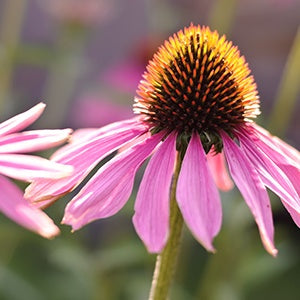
{"x": 216, "y": 163}
{"x": 197, "y": 195}
{"x": 283, "y": 146}
{"x": 22, "y": 120}
{"x": 14, "y": 206}
{"x": 30, "y": 141}
{"x": 289, "y": 164}
{"x": 28, "y": 167}
{"x": 151, "y": 219}
{"x": 82, "y": 133}
{"x": 83, "y": 156}
{"x": 271, "y": 175}
{"x": 251, "y": 187}
{"x": 82, "y": 136}
{"x": 109, "y": 189}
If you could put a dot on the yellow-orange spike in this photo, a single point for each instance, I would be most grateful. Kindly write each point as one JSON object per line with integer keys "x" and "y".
{"x": 197, "y": 80}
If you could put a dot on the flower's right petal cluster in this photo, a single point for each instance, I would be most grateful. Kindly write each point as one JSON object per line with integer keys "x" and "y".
{"x": 253, "y": 190}
{"x": 279, "y": 170}
{"x": 260, "y": 160}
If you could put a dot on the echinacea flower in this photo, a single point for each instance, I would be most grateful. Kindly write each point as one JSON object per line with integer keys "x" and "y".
{"x": 26, "y": 167}
{"x": 196, "y": 101}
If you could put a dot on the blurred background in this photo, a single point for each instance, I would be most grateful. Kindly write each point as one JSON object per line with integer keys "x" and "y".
{"x": 84, "y": 59}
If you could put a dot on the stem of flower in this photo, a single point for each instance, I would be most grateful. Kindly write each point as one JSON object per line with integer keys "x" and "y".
{"x": 166, "y": 261}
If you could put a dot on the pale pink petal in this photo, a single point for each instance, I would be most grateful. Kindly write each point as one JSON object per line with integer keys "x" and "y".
{"x": 109, "y": 189}
{"x": 272, "y": 176}
{"x": 283, "y": 146}
{"x": 288, "y": 150}
{"x": 289, "y": 164}
{"x": 30, "y": 141}
{"x": 22, "y": 120}
{"x": 83, "y": 157}
{"x": 28, "y": 167}
{"x": 251, "y": 187}
{"x": 151, "y": 219}
{"x": 14, "y": 206}
{"x": 82, "y": 136}
{"x": 216, "y": 163}
{"x": 197, "y": 195}
{"x": 82, "y": 133}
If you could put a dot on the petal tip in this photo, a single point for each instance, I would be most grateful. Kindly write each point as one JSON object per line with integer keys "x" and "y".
{"x": 273, "y": 252}
{"x": 49, "y": 232}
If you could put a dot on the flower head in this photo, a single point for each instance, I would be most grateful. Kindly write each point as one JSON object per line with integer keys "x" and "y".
{"x": 197, "y": 82}
{"x": 195, "y": 101}
{"x": 27, "y": 168}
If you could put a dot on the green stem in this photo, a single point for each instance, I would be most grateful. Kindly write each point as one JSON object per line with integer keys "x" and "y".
{"x": 13, "y": 12}
{"x": 288, "y": 91}
{"x": 166, "y": 261}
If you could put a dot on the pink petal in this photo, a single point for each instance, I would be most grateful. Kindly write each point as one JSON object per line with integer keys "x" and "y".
{"x": 289, "y": 164}
{"x": 28, "y": 167}
{"x": 197, "y": 195}
{"x": 251, "y": 187}
{"x": 30, "y": 141}
{"x": 86, "y": 135}
{"x": 216, "y": 163}
{"x": 109, "y": 189}
{"x": 83, "y": 156}
{"x": 294, "y": 214}
{"x": 14, "y": 206}
{"x": 151, "y": 219}
{"x": 284, "y": 147}
{"x": 22, "y": 120}
{"x": 271, "y": 175}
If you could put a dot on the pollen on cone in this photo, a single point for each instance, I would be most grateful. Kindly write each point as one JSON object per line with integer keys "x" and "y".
{"x": 197, "y": 81}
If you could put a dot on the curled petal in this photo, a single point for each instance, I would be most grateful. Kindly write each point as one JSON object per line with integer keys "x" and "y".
{"x": 109, "y": 189}
{"x": 251, "y": 187}
{"x": 216, "y": 163}
{"x": 151, "y": 219}
{"x": 28, "y": 167}
{"x": 83, "y": 156}
{"x": 30, "y": 141}
{"x": 22, "y": 120}
{"x": 197, "y": 195}
{"x": 14, "y": 206}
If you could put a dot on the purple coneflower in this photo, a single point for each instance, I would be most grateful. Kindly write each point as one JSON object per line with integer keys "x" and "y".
{"x": 195, "y": 104}
{"x": 27, "y": 168}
